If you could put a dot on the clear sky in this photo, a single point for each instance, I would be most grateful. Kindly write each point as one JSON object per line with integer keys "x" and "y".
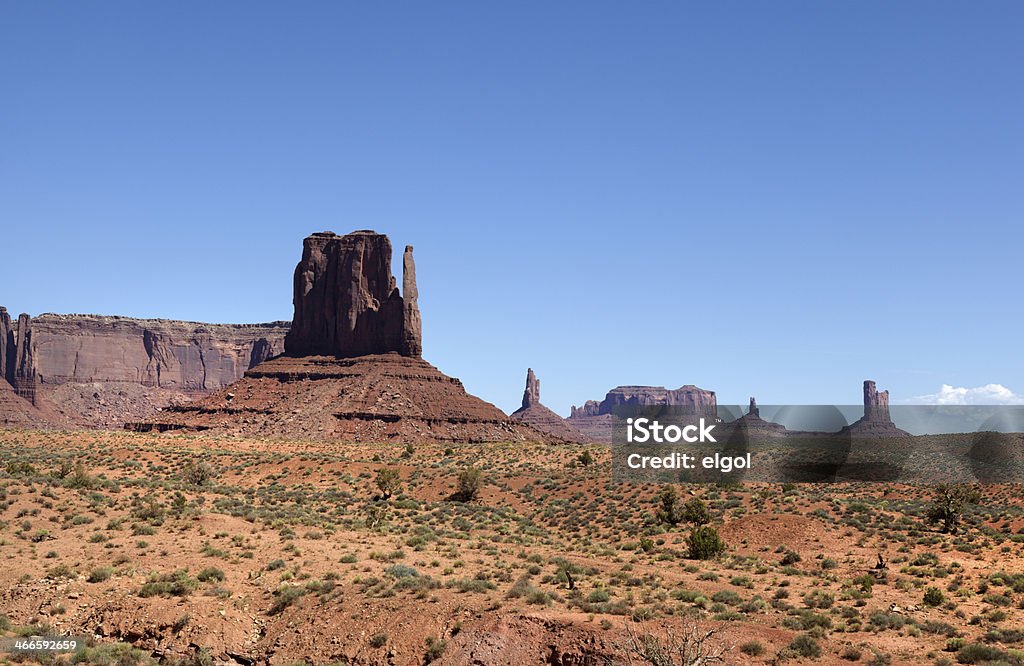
{"x": 776, "y": 199}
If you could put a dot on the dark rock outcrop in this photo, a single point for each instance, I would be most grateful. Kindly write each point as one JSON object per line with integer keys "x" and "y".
{"x": 876, "y": 421}
{"x": 346, "y": 301}
{"x": 412, "y": 325}
{"x": 531, "y": 395}
{"x": 540, "y": 417}
{"x": 8, "y": 350}
{"x": 24, "y": 366}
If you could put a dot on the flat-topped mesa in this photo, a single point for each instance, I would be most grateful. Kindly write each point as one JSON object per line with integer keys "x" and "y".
{"x": 876, "y": 403}
{"x": 346, "y": 301}
{"x": 531, "y": 395}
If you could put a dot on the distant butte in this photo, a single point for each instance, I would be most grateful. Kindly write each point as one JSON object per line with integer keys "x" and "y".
{"x": 876, "y": 421}
{"x": 540, "y": 417}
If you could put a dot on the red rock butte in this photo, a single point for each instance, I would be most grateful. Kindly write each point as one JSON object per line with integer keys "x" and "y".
{"x": 351, "y": 367}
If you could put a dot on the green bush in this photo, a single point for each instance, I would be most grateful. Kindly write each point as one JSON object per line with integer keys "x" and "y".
{"x": 210, "y": 574}
{"x": 977, "y": 653}
{"x": 752, "y": 648}
{"x": 804, "y": 645}
{"x": 178, "y": 584}
{"x": 285, "y": 597}
{"x": 933, "y": 596}
{"x": 705, "y": 543}
{"x": 100, "y": 574}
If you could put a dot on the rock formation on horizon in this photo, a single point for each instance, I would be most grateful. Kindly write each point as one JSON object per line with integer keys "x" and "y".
{"x": 540, "y": 417}
{"x": 876, "y": 421}
{"x": 594, "y": 418}
{"x": 351, "y": 368}
{"x": 346, "y": 301}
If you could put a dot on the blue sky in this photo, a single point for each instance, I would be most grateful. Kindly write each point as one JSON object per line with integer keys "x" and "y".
{"x": 773, "y": 199}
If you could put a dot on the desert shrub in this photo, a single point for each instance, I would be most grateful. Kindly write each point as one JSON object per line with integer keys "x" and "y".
{"x": 752, "y": 649}
{"x": 469, "y": 483}
{"x": 586, "y": 459}
{"x": 177, "y": 584}
{"x": 210, "y": 574}
{"x": 805, "y": 645}
{"x": 401, "y": 571}
{"x": 978, "y": 653}
{"x": 388, "y": 481}
{"x": 851, "y": 653}
{"x": 285, "y": 596}
{"x": 100, "y": 574}
{"x": 198, "y": 473}
{"x": 789, "y": 558}
{"x": 435, "y": 648}
{"x": 690, "y": 647}
{"x": 274, "y": 565}
{"x": 378, "y": 640}
{"x": 726, "y": 597}
{"x": 933, "y": 596}
{"x": 704, "y": 543}
{"x": 112, "y": 654}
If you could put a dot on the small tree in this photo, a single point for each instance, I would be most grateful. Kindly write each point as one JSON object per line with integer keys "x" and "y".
{"x": 388, "y": 481}
{"x": 696, "y": 512}
{"x": 705, "y": 543}
{"x": 470, "y": 481}
{"x": 948, "y": 505}
{"x": 670, "y": 508}
{"x": 586, "y": 458}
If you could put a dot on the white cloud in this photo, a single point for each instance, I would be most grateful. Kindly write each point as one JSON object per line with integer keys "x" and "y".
{"x": 989, "y": 394}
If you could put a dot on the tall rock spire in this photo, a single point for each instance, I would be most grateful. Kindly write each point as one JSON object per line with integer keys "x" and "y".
{"x": 412, "y": 325}
{"x": 531, "y": 396}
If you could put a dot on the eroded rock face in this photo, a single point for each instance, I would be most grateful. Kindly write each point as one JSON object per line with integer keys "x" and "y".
{"x": 7, "y": 348}
{"x": 346, "y": 301}
{"x": 24, "y": 365}
{"x": 876, "y": 403}
{"x": 876, "y": 421}
{"x": 531, "y": 396}
{"x": 53, "y": 349}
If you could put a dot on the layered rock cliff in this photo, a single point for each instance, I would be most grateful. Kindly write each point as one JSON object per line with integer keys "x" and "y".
{"x": 346, "y": 300}
{"x": 129, "y": 367}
